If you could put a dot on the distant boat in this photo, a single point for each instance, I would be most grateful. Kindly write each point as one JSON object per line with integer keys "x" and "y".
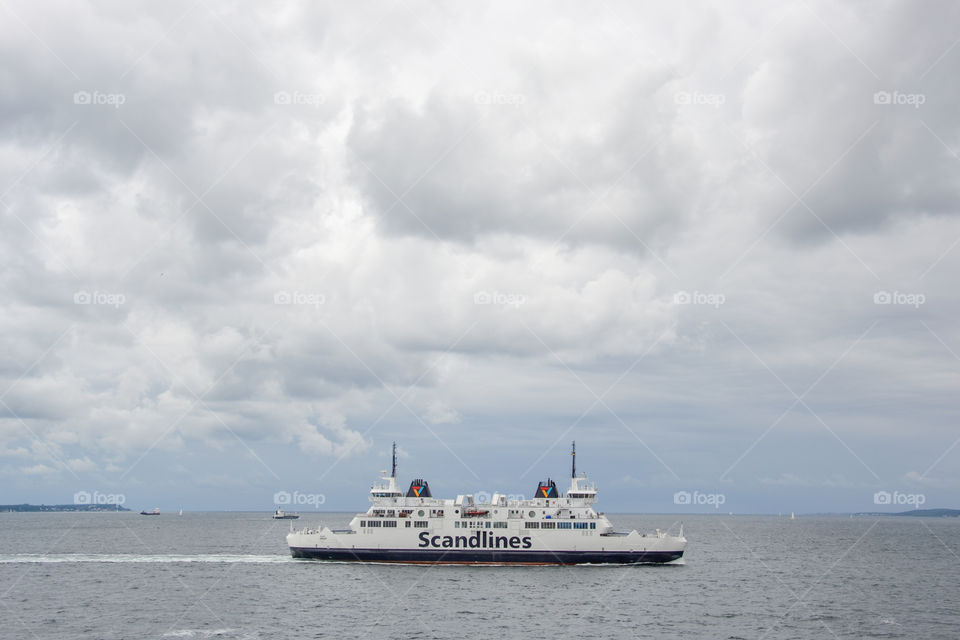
{"x": 181, "y": 512}
{"x": 792, "y": 517}
{"x": 155, "y": 512}
{"x": 279, "y": 514}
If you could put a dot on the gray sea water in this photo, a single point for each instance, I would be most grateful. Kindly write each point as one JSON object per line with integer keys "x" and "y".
{"x": 229, "y": 575}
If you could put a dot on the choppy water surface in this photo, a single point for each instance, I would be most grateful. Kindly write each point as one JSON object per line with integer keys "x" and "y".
{"x": 228, "y": 575}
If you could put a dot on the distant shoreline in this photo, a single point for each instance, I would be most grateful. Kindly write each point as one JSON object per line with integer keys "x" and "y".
{"x": 918, "y": 513}
{"x": 58, "y": 508}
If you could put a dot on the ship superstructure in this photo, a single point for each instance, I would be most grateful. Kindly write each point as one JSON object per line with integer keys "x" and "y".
{"x": 550, "y": 528}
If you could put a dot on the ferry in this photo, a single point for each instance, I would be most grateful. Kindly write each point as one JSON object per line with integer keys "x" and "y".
{"x": 549, "y": 529}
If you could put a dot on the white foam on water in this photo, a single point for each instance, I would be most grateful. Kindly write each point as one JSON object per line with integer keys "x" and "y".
{"x": 61, "y": 558}
{"x": 199, "y": 633}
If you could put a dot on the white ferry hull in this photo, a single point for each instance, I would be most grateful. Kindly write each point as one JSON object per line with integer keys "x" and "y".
{"x": 486, "y": 547}
{"x": 460, "y": 556}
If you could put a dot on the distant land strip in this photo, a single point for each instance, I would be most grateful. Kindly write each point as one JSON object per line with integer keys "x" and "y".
{"x": 60, "y": 507}
{"x": 921, "y": 513}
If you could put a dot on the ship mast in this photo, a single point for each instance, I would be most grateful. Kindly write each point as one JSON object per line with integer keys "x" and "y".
{"x": 573, "y": 459}
{"x": 393, "y": 472}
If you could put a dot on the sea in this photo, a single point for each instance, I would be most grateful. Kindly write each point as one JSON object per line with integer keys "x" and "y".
{"x": 230, "y": 575}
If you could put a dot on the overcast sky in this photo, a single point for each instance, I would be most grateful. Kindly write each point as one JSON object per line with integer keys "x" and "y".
{"x": 244, "y": 249}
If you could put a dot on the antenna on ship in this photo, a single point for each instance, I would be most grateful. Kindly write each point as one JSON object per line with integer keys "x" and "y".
{"x": 573, "y": 460}
{"x": 393, "y": 473}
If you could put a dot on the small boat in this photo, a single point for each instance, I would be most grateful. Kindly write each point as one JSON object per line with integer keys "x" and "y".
{"x": 279, "y": 514}
{"x": 155, "y": 512}
{"x": 181, "y": 512}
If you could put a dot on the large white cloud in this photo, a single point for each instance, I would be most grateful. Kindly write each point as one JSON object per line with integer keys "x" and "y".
{"x": 303, "y": 233}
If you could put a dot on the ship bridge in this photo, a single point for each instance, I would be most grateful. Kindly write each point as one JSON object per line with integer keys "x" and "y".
{"x": 385, "y": 487}
{"x": 582, "y": 489}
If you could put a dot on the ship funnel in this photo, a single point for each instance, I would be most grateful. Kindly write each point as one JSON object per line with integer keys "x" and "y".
{"x": 419, "y": 489}
{"x": 547, "y": 489}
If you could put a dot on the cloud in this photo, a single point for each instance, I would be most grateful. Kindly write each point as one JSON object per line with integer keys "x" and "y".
{"x": 236, "y": 238}
{"x": 38, "y": 470}
{"x": 438, "y": 413}
{"x": 84, "y": 465}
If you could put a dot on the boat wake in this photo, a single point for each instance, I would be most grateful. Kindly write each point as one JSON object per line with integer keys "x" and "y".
{"x": 68, "y": 558}
{"x": 198, "y": 633}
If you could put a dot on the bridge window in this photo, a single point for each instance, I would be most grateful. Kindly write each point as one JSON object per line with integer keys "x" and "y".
{"x": 531, "y": 525}
{"x": 548, "y": 525}
{"x": 579, "y": 525}
{"x": 564, "y": 525}
{"x": 420, "y": 524}
{"x": 499, "y": 525}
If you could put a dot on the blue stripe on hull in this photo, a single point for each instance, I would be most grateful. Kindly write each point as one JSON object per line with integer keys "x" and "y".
{"x": 463, "y": 556}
